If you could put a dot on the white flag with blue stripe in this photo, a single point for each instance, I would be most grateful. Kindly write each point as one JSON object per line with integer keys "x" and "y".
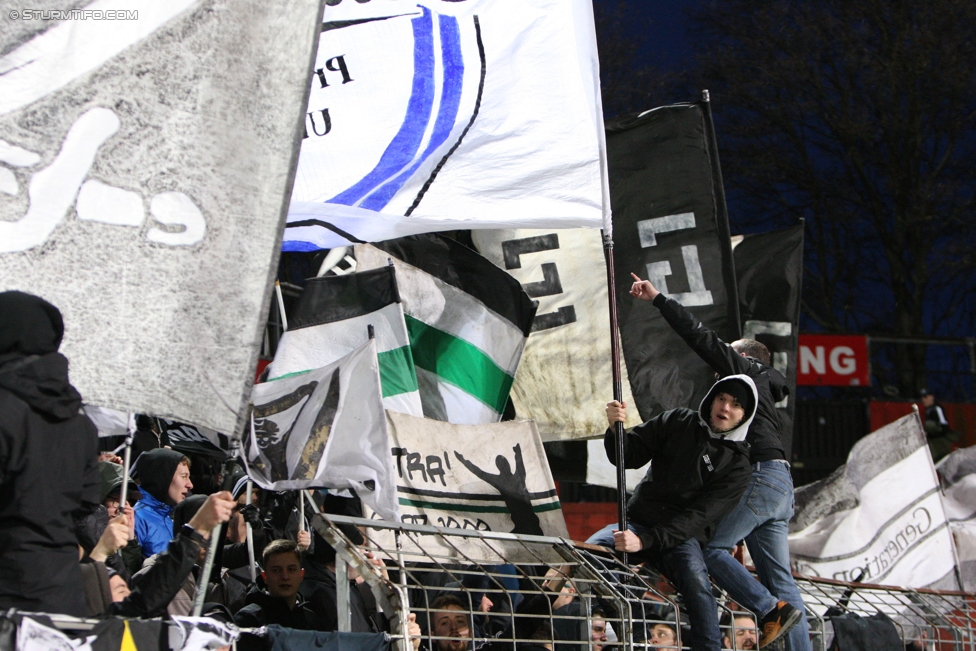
{"x": 433, "y": 115}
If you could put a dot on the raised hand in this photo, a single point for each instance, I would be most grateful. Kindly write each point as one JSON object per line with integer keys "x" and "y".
{"x": 643, "y": 289}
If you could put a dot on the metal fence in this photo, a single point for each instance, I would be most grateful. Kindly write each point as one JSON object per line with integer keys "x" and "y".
{"x": 492, "y": 590}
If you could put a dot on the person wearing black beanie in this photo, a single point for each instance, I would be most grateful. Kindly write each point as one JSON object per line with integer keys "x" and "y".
{"x": 164, "y": 482}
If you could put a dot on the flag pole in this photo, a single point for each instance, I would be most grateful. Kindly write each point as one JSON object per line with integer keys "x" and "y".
{"x": 250, "y": 535}
{"x": 203, "y": 582}
{"x": 127, "y": 462}
{"x": 618, "y": 428}
{"x": 284, "y": 328}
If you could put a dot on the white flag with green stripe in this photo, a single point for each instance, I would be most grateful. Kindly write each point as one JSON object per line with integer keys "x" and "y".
{"x": 491, "y": 477}
{"x": 331, "y": 321}
{"x": 467, "y": 320}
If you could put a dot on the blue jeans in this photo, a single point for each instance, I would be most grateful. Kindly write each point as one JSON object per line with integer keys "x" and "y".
{"x": 684, "y": 565}
{"x": 761, "y": 518}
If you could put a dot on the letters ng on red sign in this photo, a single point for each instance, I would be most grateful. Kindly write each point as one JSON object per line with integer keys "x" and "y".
{"x": 833, "y": 360}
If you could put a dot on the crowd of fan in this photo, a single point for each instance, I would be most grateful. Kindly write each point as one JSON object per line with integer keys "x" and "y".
{"x": 71, "y": 543}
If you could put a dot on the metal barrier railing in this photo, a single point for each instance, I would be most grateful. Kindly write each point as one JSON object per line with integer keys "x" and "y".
{"x": 927, "y": 620}
{"x": 511, "y": 589}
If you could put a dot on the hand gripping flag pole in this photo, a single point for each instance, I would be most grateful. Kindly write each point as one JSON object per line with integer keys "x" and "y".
{"x": 618, "y": 427}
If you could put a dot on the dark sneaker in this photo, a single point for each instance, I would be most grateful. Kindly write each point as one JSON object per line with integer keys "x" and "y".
{"x": 777, "y": 623}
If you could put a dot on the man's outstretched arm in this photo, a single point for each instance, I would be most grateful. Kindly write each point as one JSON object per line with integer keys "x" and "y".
{"x": 716, "y": 353}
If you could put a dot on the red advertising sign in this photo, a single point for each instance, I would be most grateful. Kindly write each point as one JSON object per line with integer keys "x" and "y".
{"x": 833, "y": 360}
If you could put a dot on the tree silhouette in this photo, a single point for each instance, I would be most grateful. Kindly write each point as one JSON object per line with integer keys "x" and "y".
{"x": 859, "y": 116}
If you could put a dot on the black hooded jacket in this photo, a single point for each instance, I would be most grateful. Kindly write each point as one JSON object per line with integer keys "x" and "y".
{"x": 764, "y": 434}
{"x": 48, "y": 462}
{"x": 262, "y": 609}
{"x": 696, "y": 477}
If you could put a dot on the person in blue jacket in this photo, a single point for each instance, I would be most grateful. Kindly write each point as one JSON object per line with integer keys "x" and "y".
{"x": 164, "y": 482}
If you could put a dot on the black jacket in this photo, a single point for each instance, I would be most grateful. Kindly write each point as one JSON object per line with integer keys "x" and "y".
{"x": 695, "y": 478}
{"x": 48, "y": 462}
{"x": 262, "y": 610}
{"x": 154, "y": 587}
{"x": 319, "y": 589}
{"x": 764, "y": 434}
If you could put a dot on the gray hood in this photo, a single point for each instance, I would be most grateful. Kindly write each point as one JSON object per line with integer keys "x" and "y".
{"x": 739, "y": 432}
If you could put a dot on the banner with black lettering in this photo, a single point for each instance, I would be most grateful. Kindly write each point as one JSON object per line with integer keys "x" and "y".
{"x": 490, "y": 477}
{"x": 671, "y": 227}
{"x": 769, "y": 274}
{"x": 146, "y": 161}
{"x": 564, "y": 380}
{"x": 437, "y": 115}
{"x": 879, "y": 518}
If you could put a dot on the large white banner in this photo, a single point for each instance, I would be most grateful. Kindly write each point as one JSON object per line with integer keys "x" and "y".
{"x": 879, "y": 517}
{"x": 564, "y": 379}
{"x": 145, "y": 158}
{"x": 491, "y": 477}
{"x": 432, "y": 115}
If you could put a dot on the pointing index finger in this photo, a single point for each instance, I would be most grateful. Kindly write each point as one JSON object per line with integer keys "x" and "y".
{"x": 635, "y": 276}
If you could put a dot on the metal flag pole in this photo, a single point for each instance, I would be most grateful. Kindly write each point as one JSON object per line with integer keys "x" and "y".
{"x": 284, "y": 327}
{"x": 204, "y": 581}
{"x": 127, "y": 462}
{"x": 250, "y": 536}
{"x": 618, "y": 428}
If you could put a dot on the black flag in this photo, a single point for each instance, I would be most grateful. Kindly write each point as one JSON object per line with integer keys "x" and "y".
{"x": 671, "y": 226}
{"x": 769, "y": 270}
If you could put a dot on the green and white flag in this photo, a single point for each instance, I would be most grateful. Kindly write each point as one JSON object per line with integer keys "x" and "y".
{"x": 467, "y": 320}
{"x": 325, "y": 428}
{"x": 332, "y": 319}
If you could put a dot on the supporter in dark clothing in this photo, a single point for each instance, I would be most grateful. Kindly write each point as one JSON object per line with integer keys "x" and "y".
{"x": 111, "y": 493}
{"x": 182, "y": 603}
{"x": 763, "y": 514}
{"x": 320, "y": 589}
{"x": 153, "y": 589}
{"x": 940, "y": 435}
{"x": 281, "y": 604}
{"x": 700, "y": 470}
{"x": 48, "y": 462}
{"x": 164, "y": 482}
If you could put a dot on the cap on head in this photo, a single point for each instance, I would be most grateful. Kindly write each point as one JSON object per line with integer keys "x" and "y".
{"x": 738, "y": 390}
{"x": 29, "y": 325}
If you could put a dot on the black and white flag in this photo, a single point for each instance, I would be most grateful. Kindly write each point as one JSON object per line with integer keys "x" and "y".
{"x": 325, "y": 428}
{"x": 671, "y": 227}
{"x": 769, "y": 275}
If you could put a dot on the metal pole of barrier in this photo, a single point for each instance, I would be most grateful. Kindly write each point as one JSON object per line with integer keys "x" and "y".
{"x": 342, "y": 596}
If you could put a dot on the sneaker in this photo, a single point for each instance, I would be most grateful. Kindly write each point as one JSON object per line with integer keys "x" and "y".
{"x": 777, "y": 623}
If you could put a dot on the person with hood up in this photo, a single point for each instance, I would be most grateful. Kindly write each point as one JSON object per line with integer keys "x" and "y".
{"x": 700, "y": 470}
{"x": 48, "y": 462}
{"x": 762, "y": 516}
{"x": 164, "y": 482}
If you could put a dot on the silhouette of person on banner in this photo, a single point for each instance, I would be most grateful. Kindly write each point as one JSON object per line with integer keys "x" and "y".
{"x": 513, "y": 490}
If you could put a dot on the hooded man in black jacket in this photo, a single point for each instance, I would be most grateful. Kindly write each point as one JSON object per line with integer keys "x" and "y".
{"x": 762, "y": 516}
{"x": 48, "y": 462}
{"x": 700, "y": 470}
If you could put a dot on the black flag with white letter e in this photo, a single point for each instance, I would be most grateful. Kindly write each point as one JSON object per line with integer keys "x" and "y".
{"x": 670, "y": 226}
